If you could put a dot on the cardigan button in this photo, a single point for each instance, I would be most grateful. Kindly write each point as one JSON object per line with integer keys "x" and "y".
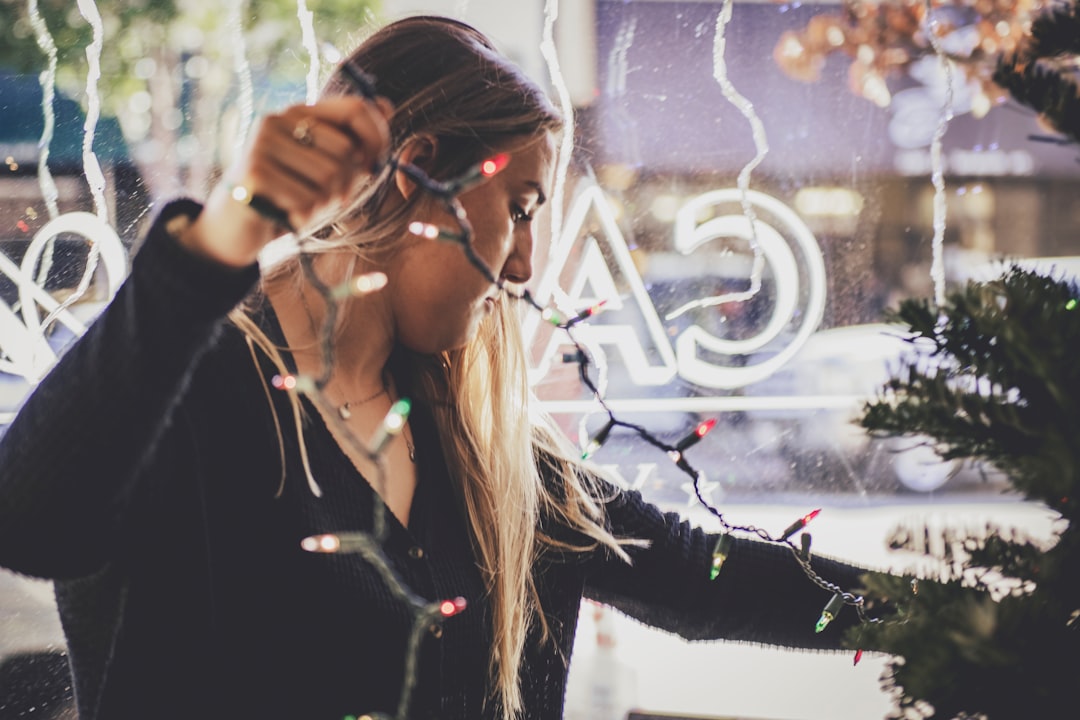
{"x": 416, "y": 553}
{"x": 436, "y": 630}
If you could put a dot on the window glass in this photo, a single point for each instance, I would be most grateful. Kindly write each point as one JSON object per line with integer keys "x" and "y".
{"x": 752, "y": 186}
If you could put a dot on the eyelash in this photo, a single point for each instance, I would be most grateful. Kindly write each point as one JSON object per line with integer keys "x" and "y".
{"x": 517, "y": 214}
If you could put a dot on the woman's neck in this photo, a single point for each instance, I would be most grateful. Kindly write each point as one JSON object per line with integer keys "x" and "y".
{"x": 363, "y": 337}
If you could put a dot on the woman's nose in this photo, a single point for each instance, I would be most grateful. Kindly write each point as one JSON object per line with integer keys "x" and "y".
{"x": 518, "y": 267}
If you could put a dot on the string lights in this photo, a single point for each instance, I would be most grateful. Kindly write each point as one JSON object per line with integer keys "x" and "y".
{"x": 598, "y": 440}
{"x": 720, "y": 553}
{"x": 479, "y": 173}
{"x": 587, "y": 313}
{"x": 430, "y": 232}
{"x": 676, "y": 454}
{"x": 368, "y": 546}
{"x": 450, "y": 608}
{"x": 359, "y": 285}
{"x": 391, "y": 426}
{"x": 799, "y": 524}
{"x": 829, "y": 613}
{"x": 552, "y": 315}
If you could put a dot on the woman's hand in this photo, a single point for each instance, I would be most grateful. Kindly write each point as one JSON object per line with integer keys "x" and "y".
{"x": 300, "y": 162}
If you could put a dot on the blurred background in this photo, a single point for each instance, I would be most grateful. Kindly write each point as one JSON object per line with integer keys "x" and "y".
{"x": 861, "y": 152}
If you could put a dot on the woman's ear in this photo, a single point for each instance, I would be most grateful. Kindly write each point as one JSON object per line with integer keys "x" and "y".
{"x": 419, "y": 151}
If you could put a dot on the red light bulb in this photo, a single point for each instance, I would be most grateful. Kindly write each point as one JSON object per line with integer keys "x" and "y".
{"x": 450, "y": 608}
{"x": 495, "y": 164}
{"x": 704, "y": 428}
{"x": 283, "y": 382}
{"x": 799, "y": 524}
{"x": 694, "y": 438}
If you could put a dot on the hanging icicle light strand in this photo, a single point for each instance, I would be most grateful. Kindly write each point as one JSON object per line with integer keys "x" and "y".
{"x": 307, "y": 33}
{"x": 761, "y": 146}
{"x": 91, "y": 167}
{"x": 937, "y": 161}
{"x": 246, "y": 100}
{"x": 551, "y": 57}
{"x": 45, "y": 41}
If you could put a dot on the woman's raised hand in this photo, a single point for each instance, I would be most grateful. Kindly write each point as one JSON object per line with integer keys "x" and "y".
{"x": 299, "y": 162}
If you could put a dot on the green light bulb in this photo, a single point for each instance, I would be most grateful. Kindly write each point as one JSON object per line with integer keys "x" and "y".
{"x": 720, "y": 554}
{"x": 832, "y": 609}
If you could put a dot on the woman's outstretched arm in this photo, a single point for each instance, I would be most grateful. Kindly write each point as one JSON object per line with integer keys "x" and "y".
{"x": 68, "y": 459}
{"x": 761, "y": 594}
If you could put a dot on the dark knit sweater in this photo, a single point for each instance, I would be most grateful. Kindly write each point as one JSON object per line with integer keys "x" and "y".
{"x": 141, "y": 476}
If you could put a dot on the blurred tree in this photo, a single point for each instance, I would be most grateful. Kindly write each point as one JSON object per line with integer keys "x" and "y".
{"x": 176, "y": 73}
{"x": 887, "y": 37}
{"x": 1044, "y": 72}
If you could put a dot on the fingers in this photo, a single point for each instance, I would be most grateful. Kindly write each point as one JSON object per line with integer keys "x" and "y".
{"x": 342, "y": 125}
{"x": 323, "y": 159}
{"x": 309, "y": 156}
{"x": 299, "y": 164}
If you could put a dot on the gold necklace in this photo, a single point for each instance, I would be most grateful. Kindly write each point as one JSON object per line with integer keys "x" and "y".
{"x": 344, "y": 408}
{"x": 344, "y": 412}
{"x": 406, "y": 433}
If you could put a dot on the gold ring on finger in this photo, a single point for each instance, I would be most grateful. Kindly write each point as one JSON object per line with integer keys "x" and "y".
{"x": 302, "y": 133}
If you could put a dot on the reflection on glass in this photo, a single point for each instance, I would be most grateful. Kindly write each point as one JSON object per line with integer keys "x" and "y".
{"x": 738, "y": 286}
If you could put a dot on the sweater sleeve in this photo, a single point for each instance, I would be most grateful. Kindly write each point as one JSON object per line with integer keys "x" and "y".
{"x": 69, "y": 459}
{"x": 761, "y": 594}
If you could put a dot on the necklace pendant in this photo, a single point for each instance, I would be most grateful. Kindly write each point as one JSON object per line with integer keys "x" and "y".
{"x": 344, "y": 412}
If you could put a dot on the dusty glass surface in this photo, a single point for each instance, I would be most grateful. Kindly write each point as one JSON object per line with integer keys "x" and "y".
{"x": 777, "y": 333}
{"x": 688, "y": 123}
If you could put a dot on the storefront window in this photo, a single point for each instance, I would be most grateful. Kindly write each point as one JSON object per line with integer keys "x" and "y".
{"x": 752, "y": 186}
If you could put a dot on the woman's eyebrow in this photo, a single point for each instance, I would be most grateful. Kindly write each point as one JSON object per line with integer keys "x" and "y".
{"x": 541, "y": 198}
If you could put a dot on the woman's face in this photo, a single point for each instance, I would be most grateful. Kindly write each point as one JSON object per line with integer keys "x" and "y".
{"x": 438, "y": 297}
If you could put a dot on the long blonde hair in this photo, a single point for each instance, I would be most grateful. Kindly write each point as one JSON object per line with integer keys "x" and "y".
{"x": 509, "y": 464}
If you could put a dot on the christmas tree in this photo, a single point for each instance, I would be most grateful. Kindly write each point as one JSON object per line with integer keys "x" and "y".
{"x": 994, "y": 378}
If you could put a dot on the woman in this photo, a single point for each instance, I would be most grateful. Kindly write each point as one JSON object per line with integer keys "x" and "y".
{"x": 167, "y": 488}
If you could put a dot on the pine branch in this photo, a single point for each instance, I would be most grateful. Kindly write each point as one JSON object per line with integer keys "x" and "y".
{"x": 1045, "y": 90}
{"x": 996, "y": 630}
{"x": 994, "y": 378}
{"x": 990, "y": 558}
{"x": 1056, "y": 33}
{"x": 1032, "y": 76}
{"x": 961, "y": 653}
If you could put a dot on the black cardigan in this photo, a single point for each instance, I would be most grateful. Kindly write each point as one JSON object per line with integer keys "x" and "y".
{"x": 141, "y": 475}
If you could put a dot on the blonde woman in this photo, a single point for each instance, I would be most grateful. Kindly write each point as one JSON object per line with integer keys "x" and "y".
{"x": 166, "y": 487}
